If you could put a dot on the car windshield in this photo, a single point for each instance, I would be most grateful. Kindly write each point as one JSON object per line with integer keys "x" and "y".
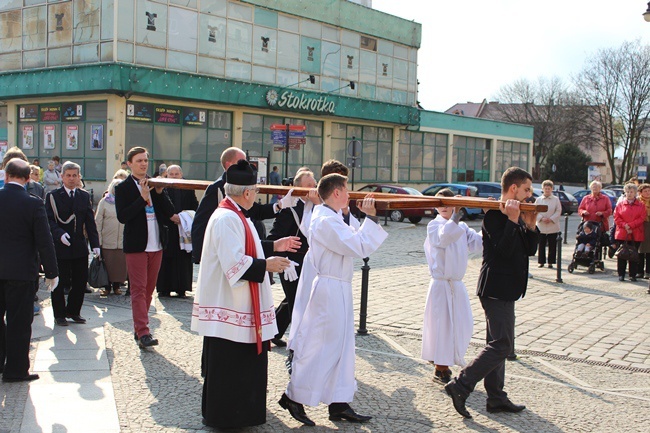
{"x": 411, "y": 191}
{"x": 570, "y": 196}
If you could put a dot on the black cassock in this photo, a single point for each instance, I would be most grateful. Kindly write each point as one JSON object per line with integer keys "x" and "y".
{"x": 176, "y": 270}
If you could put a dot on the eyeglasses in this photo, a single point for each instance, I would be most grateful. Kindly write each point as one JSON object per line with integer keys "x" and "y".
{"x": 257, "y": 190}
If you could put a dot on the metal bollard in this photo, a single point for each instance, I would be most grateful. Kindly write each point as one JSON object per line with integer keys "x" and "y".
{"x": 558, "y": 278}
{"x": 386, "y": 219}
{"x": 363, "y": 309}
{"x": 566, "y": 228}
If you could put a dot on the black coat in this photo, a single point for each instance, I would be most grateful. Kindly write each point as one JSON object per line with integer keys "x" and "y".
{"x": 506, "y": 248}
{"x": 209, "y": 203}
{"x": 84, "y": 219}
{"x": 285, "y": 225}
{"x": 25, "y": 234}
{"x": 130, "y": 205}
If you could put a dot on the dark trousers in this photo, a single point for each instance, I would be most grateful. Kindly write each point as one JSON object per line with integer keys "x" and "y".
{"x": 285, "y": 309}
{"x": 73, "y": 273}
{"x": 17, "y": 301}
{"x": 622, "y": 264}
{"x": 551, "y": 239}
{"x": 489, "y": 365}
{"x": 644, "y": 263}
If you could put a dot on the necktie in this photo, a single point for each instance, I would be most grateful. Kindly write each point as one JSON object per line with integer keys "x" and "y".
{"x": 72, "y": 195}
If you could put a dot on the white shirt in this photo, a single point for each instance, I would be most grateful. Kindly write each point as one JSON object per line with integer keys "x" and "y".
{"x": 153, "y": 231}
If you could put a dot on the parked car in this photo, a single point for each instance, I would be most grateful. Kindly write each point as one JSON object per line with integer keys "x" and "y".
{"x": 567, "y": 200}
{"x": 579, "y": 195}
{"x": 487, "y": 189}
{"x": 457, "y": 189}
{"x": 398, "y": 215}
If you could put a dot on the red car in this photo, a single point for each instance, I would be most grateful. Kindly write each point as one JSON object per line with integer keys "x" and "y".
{"x": 398, "y": 215}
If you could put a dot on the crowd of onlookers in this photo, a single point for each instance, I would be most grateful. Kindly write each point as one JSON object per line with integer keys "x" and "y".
{"x": 596, "y": 237}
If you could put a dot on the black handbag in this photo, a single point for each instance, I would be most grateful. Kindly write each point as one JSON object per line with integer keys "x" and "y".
{"x": 97, "y": 274}
{"x": 628, "y": 251}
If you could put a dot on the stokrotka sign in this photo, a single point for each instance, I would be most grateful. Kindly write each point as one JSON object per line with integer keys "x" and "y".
{"x": 300, "y": 102}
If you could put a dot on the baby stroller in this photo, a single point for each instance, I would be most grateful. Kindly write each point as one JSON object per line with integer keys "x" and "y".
{"x": 594, "y": 258}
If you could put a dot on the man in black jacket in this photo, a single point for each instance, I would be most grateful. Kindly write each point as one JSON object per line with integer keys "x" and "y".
{"x": 287, "y": 223}
{"x": 70, "y": 211}
{"x": 25, "y": 235}
{"x": 509, "y": 238}
{"x": 143, "y": 211}
{"x": 213, "y": 196}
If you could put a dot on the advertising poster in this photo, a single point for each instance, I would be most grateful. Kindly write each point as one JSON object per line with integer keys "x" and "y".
{"x": 97, "y": 137}
{"x": 72, "y": 137}
{"x": 3, "y": 148}
{"x": 28, "y": 137}
{"x": 48, "y": 137}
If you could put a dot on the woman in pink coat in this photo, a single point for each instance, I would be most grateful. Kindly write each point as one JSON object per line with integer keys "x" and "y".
{"x": 629, "y": 216}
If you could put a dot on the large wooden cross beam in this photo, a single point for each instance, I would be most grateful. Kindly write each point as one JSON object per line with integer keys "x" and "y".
{"x": 384, "y": 201}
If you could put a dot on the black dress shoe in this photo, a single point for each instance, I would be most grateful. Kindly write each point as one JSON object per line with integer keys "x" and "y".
{"x": 60, "y": 321}
{"x": 164, "y": 295}
{"x": 621, "y": 278}
{"x": 457, "y": 398}
{"x": 633, "y": 279}
{"x": 77, "y": 319}
{"x": 508, "y": 406}
{"x": 27, "y": 378}
{"x": 181, "y": 295}
{"x": 88, "y": 290}
{"x": 349, "y": 415}
{"x": 550, "y": 266}
{"x": 296, "y": 410}
{"x": 541, "y": 265}
{"x": 279, "y": 342}
{"x": 147, "y": 341}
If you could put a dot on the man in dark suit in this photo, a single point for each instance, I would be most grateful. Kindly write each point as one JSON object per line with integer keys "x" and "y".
{"x": 213, "y": 196}
{"x": 287, "y": 223}
{"x": 509, "y": 238}
{"x": 143, "y": 211}
{"x": 177, "y": 269}
{"x": 25, "y": 235}
{"x": 70, "y": 211}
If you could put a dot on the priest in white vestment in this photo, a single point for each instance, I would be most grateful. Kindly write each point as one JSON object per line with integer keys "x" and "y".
{"x": 448, "y": 321}
{"x": 323, "y": 340}
{"x": 233, "y": 308}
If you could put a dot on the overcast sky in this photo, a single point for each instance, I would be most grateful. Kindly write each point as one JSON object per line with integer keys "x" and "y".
{"x": 470, "y": 48}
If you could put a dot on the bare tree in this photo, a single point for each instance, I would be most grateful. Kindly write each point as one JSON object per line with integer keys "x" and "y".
{"x": 550, "y": 107}
{"x": 615, "y": 83}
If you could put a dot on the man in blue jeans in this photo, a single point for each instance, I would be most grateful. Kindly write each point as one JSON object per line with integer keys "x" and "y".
{"x": 509, "y": 238}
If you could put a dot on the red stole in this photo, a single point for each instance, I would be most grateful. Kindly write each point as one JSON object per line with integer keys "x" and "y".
{"x": 249, "y": 250}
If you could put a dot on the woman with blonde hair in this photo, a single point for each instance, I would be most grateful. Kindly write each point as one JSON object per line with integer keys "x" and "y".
{"x": 110, "y": 238}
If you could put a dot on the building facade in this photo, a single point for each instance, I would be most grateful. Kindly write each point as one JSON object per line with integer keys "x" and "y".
{"x": 88, "y": 79}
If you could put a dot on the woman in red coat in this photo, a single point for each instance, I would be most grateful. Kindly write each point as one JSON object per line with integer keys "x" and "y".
{"x": 629, "y": 216}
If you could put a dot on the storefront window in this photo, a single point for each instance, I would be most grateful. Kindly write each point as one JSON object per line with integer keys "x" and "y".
{"x": 194, "y": 138}
{"x": 510, "y": 154}
{"x": 471, "y": 159}
{"x": 422, "y": 157}
{"x": 376, "y": 149}
{"x": 74, "y": 131}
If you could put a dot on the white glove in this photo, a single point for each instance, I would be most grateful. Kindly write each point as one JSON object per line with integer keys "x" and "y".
{"x": 65, "y": 239}
{"x": 51, "y": 283}
{"x": 287, "y": 201}
{"x": 290, "y": 273}
{"x": 97, "y": 252}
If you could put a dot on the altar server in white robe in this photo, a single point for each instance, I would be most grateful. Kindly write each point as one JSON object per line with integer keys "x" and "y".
{"x": 448, "y": 321}
{"x": 308, "y": 271}
{"x": 233, "y": 307}
{"x": 323, "y": 343}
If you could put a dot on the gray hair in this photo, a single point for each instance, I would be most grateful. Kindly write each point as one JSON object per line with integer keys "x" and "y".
{"x": 297, "y": 180}
{"x": 630, "y": 187}
{"x": 237, "y": 190}
{"x": 596, "y": 183}
{"x": 69, "y": 165}
{"x": 112, "y": 185}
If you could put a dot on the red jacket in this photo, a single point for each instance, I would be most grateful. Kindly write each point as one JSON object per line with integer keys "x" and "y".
{"x": 592, "y": 205}
{"x": 632, "y": 214}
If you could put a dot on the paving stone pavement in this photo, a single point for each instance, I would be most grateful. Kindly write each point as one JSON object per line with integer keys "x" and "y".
{"x": 584, "y": 363}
